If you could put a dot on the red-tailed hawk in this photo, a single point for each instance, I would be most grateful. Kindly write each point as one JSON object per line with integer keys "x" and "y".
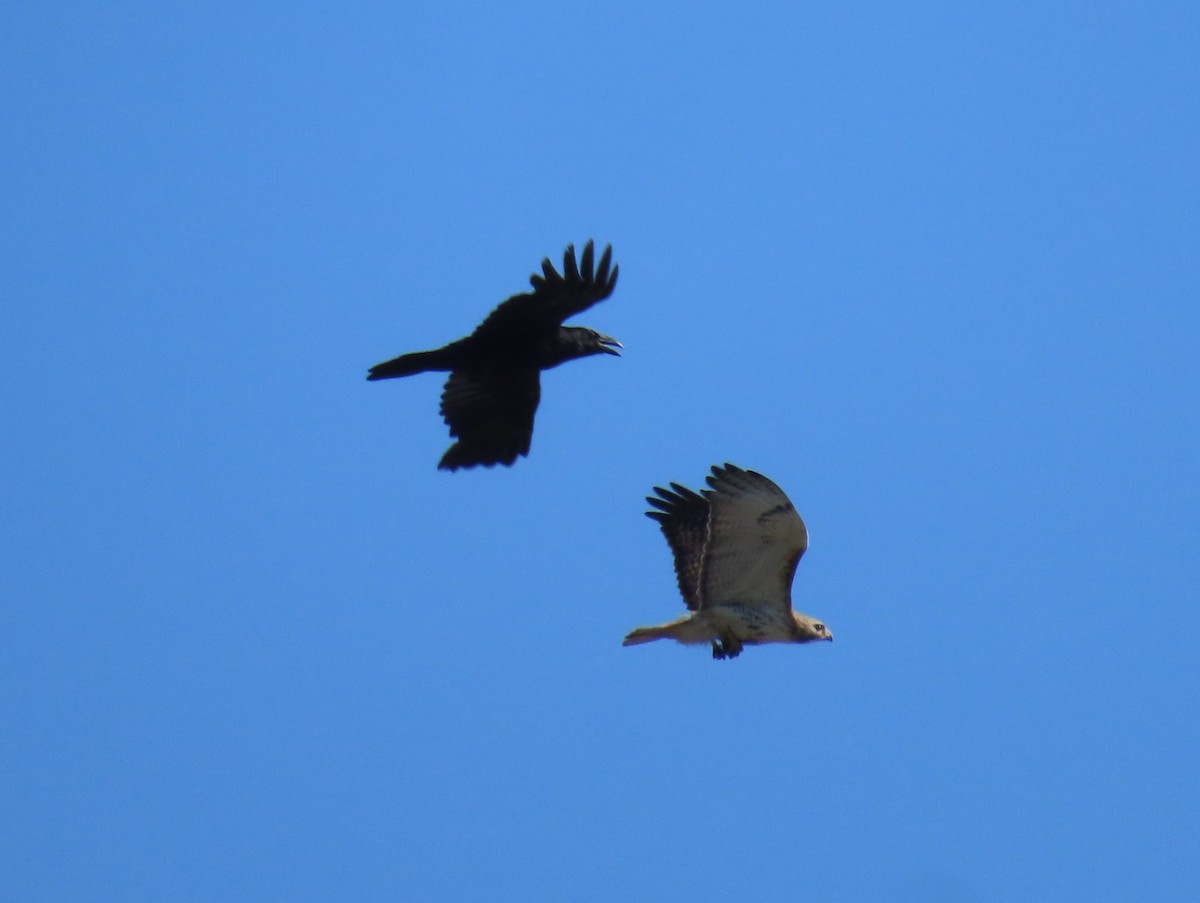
{"x": 736, "y": 547}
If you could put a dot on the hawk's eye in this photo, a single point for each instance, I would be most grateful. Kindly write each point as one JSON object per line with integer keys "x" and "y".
{"x": 820, "y": 628}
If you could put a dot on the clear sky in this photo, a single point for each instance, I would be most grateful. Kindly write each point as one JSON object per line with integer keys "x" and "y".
{"x": 934, "y": 268}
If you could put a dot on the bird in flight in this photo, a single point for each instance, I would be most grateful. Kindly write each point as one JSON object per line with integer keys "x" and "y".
{"x": 495, "y": 372}
{"x": 736, "y": 546}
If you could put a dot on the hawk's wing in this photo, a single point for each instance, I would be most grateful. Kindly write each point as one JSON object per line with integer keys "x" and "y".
{"x": 682, "y": 516}
{"x": 755, "y": 541}
{"x": 555, "y": 296}
{"x": 491, "y": 415}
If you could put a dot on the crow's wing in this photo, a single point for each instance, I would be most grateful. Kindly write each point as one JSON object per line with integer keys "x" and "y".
{"x": 491, "y": 415}
{"x": 555, "y": 296}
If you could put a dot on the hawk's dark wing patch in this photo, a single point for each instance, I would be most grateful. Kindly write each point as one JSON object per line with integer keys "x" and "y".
{"x": 682, "y": 516}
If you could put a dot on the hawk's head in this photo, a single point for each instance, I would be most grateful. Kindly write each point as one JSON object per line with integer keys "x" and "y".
{"x": 809, "y": 630}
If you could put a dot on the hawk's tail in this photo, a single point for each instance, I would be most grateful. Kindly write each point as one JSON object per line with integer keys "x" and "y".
{"x": 648, "y": 635}
{"x": 691, "y": 628}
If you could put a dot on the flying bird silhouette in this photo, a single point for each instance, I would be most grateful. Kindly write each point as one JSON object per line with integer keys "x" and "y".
{"x": 736, "y": 546}
{"x": 495, "y": 372}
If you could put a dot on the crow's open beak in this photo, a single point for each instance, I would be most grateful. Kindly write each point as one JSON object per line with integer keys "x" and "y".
{"x": 610, "y": 346}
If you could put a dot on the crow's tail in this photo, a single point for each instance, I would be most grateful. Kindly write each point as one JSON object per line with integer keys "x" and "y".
{"x": 408, "y": 364}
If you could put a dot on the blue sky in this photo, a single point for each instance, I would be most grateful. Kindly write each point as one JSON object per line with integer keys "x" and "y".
{"x": 933, "y": 269}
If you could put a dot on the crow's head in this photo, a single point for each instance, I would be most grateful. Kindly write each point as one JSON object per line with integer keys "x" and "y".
{"x": 579, "y": 341}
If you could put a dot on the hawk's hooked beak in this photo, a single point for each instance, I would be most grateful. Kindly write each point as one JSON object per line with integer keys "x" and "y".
{"x": 610, "y": 345}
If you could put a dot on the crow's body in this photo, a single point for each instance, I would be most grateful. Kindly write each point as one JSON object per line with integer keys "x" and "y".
{"x": 494, "y": 387}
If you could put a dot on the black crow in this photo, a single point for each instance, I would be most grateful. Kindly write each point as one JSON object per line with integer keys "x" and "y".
{"x": 494, "y": 385}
